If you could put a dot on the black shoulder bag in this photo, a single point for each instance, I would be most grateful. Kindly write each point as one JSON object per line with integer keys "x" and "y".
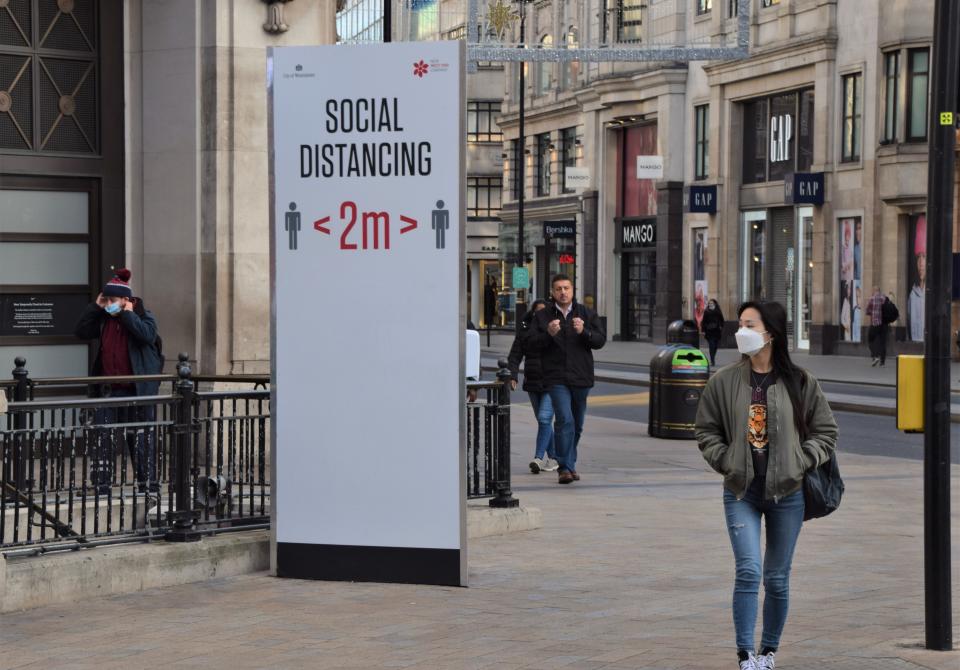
{"x": 822, "y": 487}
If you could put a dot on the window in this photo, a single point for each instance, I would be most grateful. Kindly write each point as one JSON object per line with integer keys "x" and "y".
{"x": 570, "y": 71}
{"x": 919, "y": 66}
{"x": 545, "y": 69}
{"x": 769, "y": 3}
{"x": 543, "y": 164}
{"x": 701, "y": 158}
{"x": 704, "y": 6}
{"x": 733, "y": 8}
{"x": 852, "y": 128}
{"x": 777, "y": 136}
{"x": 481, "y": 125}
{"x": 568, "y": 155}
{"x": 516, "y": 155}
{"x": 629, "y": 20}
{"x": 891, "y": 79}
{"x": 483, "y": 196}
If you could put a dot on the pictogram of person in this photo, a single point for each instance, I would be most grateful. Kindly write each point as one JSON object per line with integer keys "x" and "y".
{"x": 291, "y": 223}
{"x": 440, "y": 221}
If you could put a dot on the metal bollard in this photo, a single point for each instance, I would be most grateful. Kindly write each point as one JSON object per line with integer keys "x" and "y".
{"x": 184, "y": 518}
{"x": 504, "y": 497}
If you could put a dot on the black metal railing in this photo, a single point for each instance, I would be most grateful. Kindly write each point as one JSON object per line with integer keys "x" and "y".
{"x": 80, "y": 471}
{"x": 85, "y": 471}
{"x": 488, "y": 440}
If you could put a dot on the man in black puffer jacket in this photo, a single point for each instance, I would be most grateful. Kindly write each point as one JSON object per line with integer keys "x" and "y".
{"x": 565, "y": 334}
{"x": 128, "y": 346}
{"x": 533, "y": 385}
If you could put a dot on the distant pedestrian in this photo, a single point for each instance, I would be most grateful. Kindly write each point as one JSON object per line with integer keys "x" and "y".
{"x": 544, "y": 458}
{"x": 565, "y": 334}
{"x": 129, "y": 345}
{"x": 712, "y": 326}
{"x": 763, "y": 468}
{"x": 877, "y": 335}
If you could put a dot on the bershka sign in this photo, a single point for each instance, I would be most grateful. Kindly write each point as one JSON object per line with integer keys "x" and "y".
{"x": 649, "y": 167}
{"x": 559, "y": 229}
{"x": 367, "y": 166}
{"x": 638, "y": 234}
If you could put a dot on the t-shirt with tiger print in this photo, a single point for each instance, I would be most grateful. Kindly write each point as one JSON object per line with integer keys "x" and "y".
{"x": 757, "y": 433}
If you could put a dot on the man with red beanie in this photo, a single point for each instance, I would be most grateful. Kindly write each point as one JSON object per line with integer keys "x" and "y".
{"x": 128, "y": 346}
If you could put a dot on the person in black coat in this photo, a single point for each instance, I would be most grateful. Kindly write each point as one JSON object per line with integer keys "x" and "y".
{"x": 533, "y": 385}
{"x": 712, "y": 327}
{"x": 565, "y": 334}
{"x": 128, "y": 345}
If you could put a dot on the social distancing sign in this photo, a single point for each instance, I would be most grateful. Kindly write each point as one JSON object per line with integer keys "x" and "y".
{"x": 367, "y": 169}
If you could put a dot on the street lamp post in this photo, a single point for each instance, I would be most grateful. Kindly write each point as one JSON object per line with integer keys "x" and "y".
{"x": 521, "y": 308}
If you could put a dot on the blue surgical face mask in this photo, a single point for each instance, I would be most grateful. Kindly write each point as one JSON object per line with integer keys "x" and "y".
{"x": 112, "y": 308}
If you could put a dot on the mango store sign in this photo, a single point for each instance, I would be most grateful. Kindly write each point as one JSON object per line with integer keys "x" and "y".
{"x": 367, "y": 209}
{"x": 649, "y": 167}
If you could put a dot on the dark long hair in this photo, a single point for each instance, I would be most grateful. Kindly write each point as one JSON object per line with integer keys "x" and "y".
{"x": 774, "y": 319}
{"x": 528, "y": 317}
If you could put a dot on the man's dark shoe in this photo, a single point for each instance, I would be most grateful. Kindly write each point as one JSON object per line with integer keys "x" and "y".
{"x": 576, "y": 477}
{"x": 565, "y": 478}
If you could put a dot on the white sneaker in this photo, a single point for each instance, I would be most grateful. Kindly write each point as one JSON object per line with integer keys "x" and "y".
{"x": 536, "y": 465}
{"x": 750, "y": 663}
{"x": 550, "y": 465}
{"x": 765, "y": 661}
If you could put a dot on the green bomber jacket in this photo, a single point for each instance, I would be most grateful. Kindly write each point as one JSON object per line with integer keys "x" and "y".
{"x": 722, "y": 423}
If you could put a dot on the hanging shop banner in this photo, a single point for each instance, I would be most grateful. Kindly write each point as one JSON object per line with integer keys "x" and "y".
{"x": 649, "y": 167}
{"x": 804, "y": 188}
{"x": 559, "y": 228}
{"x": 368, "y": 416}
{"x": 703, "y": 199}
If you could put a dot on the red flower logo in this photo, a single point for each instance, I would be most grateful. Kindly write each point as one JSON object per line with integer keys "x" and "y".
{"x": 420, "y": 69}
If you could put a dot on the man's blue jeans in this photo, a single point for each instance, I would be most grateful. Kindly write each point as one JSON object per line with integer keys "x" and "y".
{"x": 543, "y": 410}
{"x": 783, "y": 522}
{"x": 569, "y": 411}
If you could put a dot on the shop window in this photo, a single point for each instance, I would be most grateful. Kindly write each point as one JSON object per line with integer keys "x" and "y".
{"x": 568, "y": 155}
{"x": 481, "y": 121}
{"x": 777, "y": 136}
{"x": 544, "y": 149}
{"x": 852, "y": 126}
{"x": 701, "y": 158}
{"x": 917, "y": 86}
{"x": 891, "y": 81}
{"x": 483, "y": 196}
{"x": 629, "y": 20}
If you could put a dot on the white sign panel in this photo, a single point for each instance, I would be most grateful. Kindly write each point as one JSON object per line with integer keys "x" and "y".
{"x": 368, "y": 387}
{"x": 649, "y": 167}
{"x": 577, "y": 178}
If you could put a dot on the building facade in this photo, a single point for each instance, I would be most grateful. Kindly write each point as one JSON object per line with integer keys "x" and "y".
{"x": 797, "y": 174}
{"x": 130, "y": 135}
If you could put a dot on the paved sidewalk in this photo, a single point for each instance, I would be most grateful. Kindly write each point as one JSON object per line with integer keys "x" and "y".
{"x": 632, "y": 570}
{"x": 855, "y": 369}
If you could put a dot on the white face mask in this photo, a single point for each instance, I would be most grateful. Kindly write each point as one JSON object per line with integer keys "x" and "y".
{"x": 750, "y": 342}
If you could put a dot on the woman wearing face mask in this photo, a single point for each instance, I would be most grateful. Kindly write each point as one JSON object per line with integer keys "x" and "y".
{"x": 762, "y": 423}
{"x": 712, "y": 326}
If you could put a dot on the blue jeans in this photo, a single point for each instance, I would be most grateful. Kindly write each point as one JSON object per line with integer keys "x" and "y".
{"x": 569, "y": 411}
{"x": 543, "y": 410}
{"x": 783, "y": 522}
{"x": 140, "y": 441}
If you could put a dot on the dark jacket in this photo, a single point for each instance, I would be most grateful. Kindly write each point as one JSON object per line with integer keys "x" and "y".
{"x": 712, "y": 323}
{"x": 141, "y": 328}
{"x": 522, "y": 349}
{"x": 567, "y": 358}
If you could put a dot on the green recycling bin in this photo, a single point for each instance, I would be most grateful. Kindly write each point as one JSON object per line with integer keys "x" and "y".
{"x": 678, "y": 374}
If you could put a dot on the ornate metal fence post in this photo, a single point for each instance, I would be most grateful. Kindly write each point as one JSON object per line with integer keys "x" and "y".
{"x": 184, "y": 518}
{"x": 504, "y": 497}
{"x": 17, "y": 461}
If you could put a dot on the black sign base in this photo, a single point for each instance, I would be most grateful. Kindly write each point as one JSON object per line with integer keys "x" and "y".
{"x": 343, "y": 563}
